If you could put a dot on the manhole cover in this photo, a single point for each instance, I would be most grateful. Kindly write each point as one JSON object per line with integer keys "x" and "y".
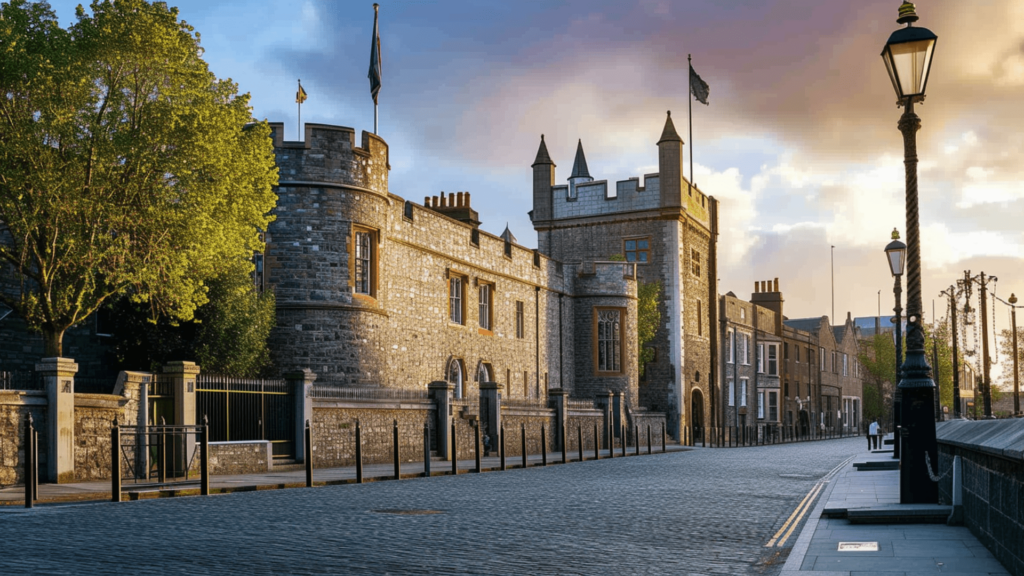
{"x": 408, "y": 511}
{"x": 797, "y": 476}
{"x": 858, "y": 546}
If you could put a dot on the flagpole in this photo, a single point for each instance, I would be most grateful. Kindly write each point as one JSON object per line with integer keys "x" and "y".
{"x": 375, "y": 64}
{"x": 298, "y": 128}
{"x": 689, "y": 101}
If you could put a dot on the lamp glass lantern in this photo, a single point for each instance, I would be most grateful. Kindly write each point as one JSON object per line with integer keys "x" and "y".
{"x": 896, "y": 253}
{"x": 908, "y": 59}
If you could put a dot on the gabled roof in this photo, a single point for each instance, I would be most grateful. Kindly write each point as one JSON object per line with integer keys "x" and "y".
{"x": 579, "y": 166}
{"x": 542, "y": 154}
{"x": 669, "y": 134}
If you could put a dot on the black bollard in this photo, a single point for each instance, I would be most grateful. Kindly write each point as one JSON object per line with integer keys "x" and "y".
{"x": 426, "y": 450}
{"x": 30, "y": 462}
{"x": 204, "y": 458}
{"x": 664, "y": 439}
{"x": 543, "y": 446}
{"x": 398, "y": 460}
{"x": 522, "y": 438}
{"x": 476, "y": 450}
{"x": 309, "y": 455}
{"x": 502, "y": 449}
{"x": 597, "y": 444}
{"x": 579, "y": 440}
{"x": 455, "y": 452}
{"x": 650, "y": 450}
{"x": 622, "y": 433}
{"x": 704, "y": 438}
{"x": 359, "y": 453}
{"x": 636, "y": 439}
{"x": 115, "y": 463}
{"x": 161, "y": 464}
{"x": 565, "y": 445}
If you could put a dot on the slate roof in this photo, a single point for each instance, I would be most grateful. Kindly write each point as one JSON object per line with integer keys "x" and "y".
{"x": 542, "y": 154}
{"x": 669, "y": 134}
{"x": 579, "y": 166}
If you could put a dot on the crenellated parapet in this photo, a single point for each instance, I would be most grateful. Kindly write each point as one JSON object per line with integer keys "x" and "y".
{"x": 328, "y": 154}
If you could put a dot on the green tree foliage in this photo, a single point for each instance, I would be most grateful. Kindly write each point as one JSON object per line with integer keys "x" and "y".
{"x": 648, "y": 319}
{"x": 878, "y": 357}
{"x": 942, "y": 372}
{"x": 227, "y": 336}
{"x": 126, "y": 166}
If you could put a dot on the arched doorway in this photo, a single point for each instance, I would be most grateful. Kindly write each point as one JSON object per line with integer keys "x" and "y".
{"x": 454, "y": 376}
{"x": 697, "y": 415}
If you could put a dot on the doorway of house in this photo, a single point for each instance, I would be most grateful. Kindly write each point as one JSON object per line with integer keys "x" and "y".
{"x": 697, "y": 415}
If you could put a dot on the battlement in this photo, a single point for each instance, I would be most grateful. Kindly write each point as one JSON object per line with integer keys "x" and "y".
{"x": 328, "y": 155}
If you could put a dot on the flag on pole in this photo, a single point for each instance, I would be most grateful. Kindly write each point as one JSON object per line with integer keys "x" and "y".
{"x": 300, "y": 96}
{"x": 375, "y": 68}
{"x": 698, "y": 87}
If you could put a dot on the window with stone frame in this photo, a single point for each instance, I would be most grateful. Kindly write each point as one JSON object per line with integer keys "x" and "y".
{"x": 695, "y": 262}
{"x": 773, "y": 359}
{"x": 846, "y": 365}
{"x": 743, "y": 391}
{"x": 730, "y": 346}
{"x": 457, "y": 298}
{"x": 745, "y": 349}
{"x": 760, "y": 405}
{"x": 732, "y": 392}
{"x": 520, "y": 320}
{"x": 363, "y": 270}
{"x": 700, "y": 319}
{"x": 608, "y": 340}
{"x": 637, "y": 249}
{"x": 773, "y": 406}
{"x": 485, "y": 292}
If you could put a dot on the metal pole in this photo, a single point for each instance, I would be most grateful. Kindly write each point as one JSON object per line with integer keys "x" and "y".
{"x": 597, "y": 444}
{"x": 204, "y": 458}
{"x": 565, "y": 441}
{"x": 649, "y": 448}
{"x": 455, "y": 452}
{"x": 622, "y": 434}
{"x": 359, "y": 453}
{"x": 476, "y": 451}
{"x": 579, "y": 440}
{"x": 398, "y": 461}
{"x": 29, "y": 463}
{"x": 543, "y": 446}
{"x": 956, "y": 359}
{"x": 426, "y": 450}
{"x": 636, "y": 439}
{"x": 308, "y": 455}
{"x": 522, "y": 438}
{"x": 115, "y": 462}
{"x": 986, "y": 362}
{"x": 1016, "y": 369}
{"x": 502, "y": 449}
{"x": 897, "y": 396}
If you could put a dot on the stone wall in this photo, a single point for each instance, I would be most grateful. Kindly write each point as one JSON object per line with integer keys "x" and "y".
{"x": 992, "y": 458}
{"x": 94, "y": 416}
{"x": 655, "y": 420}
{"x": 585, "y": 419}
{"x": 15, "y": 406}
{"x": 334, "y": 430}
{"x": 515, "y": 418}
{"x": 243, "y": 457}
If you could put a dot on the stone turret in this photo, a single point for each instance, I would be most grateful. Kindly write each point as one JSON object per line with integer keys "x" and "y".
{"x": 670, "y": 165}
{"x": 580, "y": 173}
{"x": 543, "y": 180}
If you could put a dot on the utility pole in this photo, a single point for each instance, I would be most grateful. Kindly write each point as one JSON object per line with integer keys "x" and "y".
{"x": 1016, "y": 369}
{"x": 956, "y": 360}
{"x": 985, "y": 360}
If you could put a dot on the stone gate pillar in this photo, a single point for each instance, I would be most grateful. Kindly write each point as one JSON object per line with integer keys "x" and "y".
{"x": 490, "y": 410}
{"x": 183, "y": 386}
{"x": 441, "y": 393}
{"x": 58, "y": 376}
{"x": 302, "y": 389}
{"x": 604, "y": 401}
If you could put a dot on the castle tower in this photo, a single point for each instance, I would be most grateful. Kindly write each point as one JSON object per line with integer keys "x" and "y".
{"x": 579, "y": 170}
{"x": 543, "y": 181}
{"x": 670, "y": 165}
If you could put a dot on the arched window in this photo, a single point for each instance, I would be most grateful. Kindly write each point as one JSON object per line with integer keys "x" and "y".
{"x": 483, "y": 373}
{"x": 455, "y": 376}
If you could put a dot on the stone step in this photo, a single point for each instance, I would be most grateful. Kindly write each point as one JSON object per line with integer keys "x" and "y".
{"x": 900, "y": 514}
{"x": 876, "y": 465}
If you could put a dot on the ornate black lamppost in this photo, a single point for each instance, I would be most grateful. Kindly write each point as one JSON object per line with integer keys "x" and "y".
{"x": 1016, "y": 368}
{"x": 896, "y": 255}
{"x": 908, "y": 58}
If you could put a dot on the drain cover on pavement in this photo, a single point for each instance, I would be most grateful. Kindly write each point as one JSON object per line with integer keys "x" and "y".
{"x": 858, "y": 547}
{"x": 408, "y": 512}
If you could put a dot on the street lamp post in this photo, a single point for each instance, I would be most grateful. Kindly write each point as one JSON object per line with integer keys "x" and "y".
{"x": 908, "y": 58}
{"x": 896, "y": 254}
{"x": 1016, "y": 369}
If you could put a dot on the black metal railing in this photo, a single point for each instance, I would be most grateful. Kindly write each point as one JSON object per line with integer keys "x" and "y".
{"x": 163, "y": 454}
{"x": 21, "y": 380}
{"x": 248, "y": 409}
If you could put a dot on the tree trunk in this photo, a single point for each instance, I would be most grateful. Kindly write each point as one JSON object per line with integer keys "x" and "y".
{"x": 53, "y": 342}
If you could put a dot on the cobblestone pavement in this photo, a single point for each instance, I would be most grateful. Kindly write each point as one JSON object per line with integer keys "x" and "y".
{"x": 698, "y": 512}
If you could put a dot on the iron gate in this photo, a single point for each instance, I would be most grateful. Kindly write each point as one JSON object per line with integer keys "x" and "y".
{"x": 246, "y": 409}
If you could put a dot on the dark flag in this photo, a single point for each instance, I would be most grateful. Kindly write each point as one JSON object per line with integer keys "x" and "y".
{"x": 375, "y": 59}
{"x": 698, "y": 87}
{"x": 300, "y": 96}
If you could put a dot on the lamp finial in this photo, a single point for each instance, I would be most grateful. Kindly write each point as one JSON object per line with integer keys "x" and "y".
{"x": 907, "y": 13}
{"x": 895, "y": 234}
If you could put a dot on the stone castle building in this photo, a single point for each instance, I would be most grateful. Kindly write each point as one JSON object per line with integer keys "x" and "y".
{"x": 376, "y": 290}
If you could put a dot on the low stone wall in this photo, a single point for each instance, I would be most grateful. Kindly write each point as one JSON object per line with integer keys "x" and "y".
{"x": 334, "y": 430}
{"x": 514, "y": 420}
{"x": 94, "y": 416}
{"x": 656, "y": 420}
{"x": 585, "y": 419}
{"x": 242, "y": 457}
{"x": 992, "y": 458}
{"x": 15, "y": 406}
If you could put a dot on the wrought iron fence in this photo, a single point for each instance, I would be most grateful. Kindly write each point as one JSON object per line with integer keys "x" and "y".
{"x": 248, "y": 409}
{"x": 580, "y": 405}
{"x": 21, "y": 380}
{"x": 159, "y": 454}
{"x": 333, "y": 392}
{"x": 529, "y": 403}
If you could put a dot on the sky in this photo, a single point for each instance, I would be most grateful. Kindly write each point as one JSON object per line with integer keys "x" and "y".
{"x": 799, "y": 141}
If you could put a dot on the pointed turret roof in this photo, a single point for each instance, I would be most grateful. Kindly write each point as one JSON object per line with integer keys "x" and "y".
{"x": 508, "y": 236}
{"x": 542, "y": 154}
{"x": 579, "y": 166}
{"x": 669, "y": 133}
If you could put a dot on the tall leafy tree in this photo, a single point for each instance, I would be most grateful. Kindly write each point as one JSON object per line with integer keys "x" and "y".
{"x": 647, "y": 321}
{"x": 126, "y": 166}
{"x": 878, "y": 357}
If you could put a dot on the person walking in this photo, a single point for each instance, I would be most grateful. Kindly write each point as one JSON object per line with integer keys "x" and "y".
{"x": 873, "y": 435}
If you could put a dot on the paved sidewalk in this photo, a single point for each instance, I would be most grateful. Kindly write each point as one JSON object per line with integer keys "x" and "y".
{"x": 294, "y": 476}
{"x": 902, "y": 548}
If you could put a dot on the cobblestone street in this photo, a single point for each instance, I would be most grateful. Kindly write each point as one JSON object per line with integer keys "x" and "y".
{"x": 697, "y": 512}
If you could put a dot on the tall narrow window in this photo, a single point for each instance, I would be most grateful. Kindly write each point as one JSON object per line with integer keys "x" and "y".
{"x": 730, "y": 347}
{"x": 797, "y": 350}
{"x": 822, "y": 349}
{"x": 773, "y": 359}
{"x": 364, "y": 268}
{"x": 695, "y": 262}
{"x": 700, "y": 320}
{"x": 773, "y": 406}
{"x": 455, "y": 299}
{"x": 743, "y": 392}
{"x": 760, "y": 405}
{"x": 732, "y": 392}
{"x": 486, "y": 306}
{"x": 785, "y": 350}
{"x": 846, "y": 365}
{"x": 760, "y": 358}
{"x": 520, "y": 324}
{"x": 455, "y": 376}
{"x": 609, "y": 340}
{"x": 745, "y": 348}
